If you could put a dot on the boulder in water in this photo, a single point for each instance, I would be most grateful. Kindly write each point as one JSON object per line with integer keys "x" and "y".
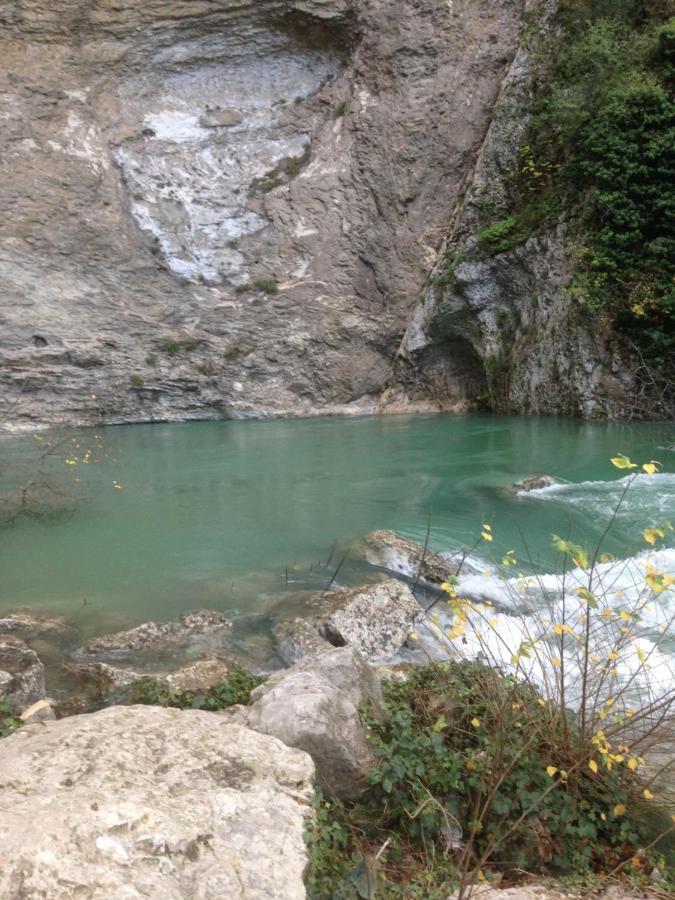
{"x": 314, "y": 706}
{"x": 374, "y": 620}
{"x": 533, "y": 483}
{"x": 298, "y": 639}
{"x": 148, "y": 802}
{"x": 399, "y": 554}
{"x": 204, "y": 628}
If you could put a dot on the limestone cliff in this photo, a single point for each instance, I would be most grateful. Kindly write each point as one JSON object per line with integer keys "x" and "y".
{"x": 222, "y": 207}
{"x": 506, "y": 328}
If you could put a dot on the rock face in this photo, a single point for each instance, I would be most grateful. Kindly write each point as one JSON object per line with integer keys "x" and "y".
{"x": 151, "y": 802}
{"x": 506, "y": 327}
{"x": 399, "y": 554}
{"x": 198, "y": 630}
{"x": 100, "y": 684}
{"x": 28, "y": 626}
{"x": 22, "y": 675}
{"x": 375, "y": 621}
{"x": 314, "y": 706}
{"x": 228, "y": 207}
{"x": 298, "y": 639}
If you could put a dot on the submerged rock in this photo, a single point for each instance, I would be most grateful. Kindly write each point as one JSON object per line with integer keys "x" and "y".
{"x": 28, "y": 626}
{"x": 298, "y": 639}
{"x": 399, "y": 554}
{"x": 149, "y": 802}
{"x": 26, "y": 682}
{"x": 375, "y": 620}
{"x": 315, "y": 706}
{"x": 206, "y": 628}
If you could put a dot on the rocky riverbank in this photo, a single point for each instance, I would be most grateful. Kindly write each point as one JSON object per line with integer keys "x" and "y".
{"x": 102, "y": 797}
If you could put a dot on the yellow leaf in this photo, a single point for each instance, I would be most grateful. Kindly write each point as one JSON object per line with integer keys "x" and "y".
{"x": 475, "y": 723}
{"x": 647, "y": 794}
{"x": 652, "y": 467}
{"x": 551, "y": 770}
{"x": 555, "y": 661}
{"x": 541, "y": 702}
{"x": 487, "y": 527}
{"x": 650, "y": 535}
{"x": 414, "y": 636}
{"x": 632, "y": 763}
{"x": 593, "y": 766}
{"x": 619, "y": 809}
{"x": 486, "y": 535}
{"x": 622, "y": 462}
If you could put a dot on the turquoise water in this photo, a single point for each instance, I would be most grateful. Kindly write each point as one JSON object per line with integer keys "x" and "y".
{"x": 230, "y": 515}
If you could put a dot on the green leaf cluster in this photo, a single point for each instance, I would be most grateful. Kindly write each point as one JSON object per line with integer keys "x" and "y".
{"x": 467, "y": 754}
{"x": 600, "y": 147}
{"x": 9, "y": 722}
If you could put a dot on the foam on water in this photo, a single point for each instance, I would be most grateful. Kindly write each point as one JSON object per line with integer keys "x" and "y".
{"x": 510, "y": 611}
{"x": 646, "y": 493}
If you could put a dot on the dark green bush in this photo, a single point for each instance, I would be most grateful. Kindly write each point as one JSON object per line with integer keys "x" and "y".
{"x": 266, "y": 286}
{"x": 468, "y": 756}
{"x": 173, "y": 347}
{"x": 600, "y": 145}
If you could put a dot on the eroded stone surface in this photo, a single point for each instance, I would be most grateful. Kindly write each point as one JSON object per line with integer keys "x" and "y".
{"x": 27, "y": 625}
{"x": 98, "y": 684}
{"x": 374, "y": 620}
{"x": 314, "y": 706}
{"x": 298, "y": 639}
{"x": 138, "y": 802}
{"x": 171, "y": 165}
{"x": 399, "y": 554}
{"x": 204, "y": 629}
{"x": 26, "y": 684}
{"x": 508, "y": 325}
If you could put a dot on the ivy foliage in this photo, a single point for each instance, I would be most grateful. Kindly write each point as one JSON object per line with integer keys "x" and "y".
{"x": 9, "y": 722}
{"x": 469, "y": 755}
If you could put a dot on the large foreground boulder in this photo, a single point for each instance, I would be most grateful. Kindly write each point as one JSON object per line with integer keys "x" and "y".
{"x": 22, "y": 675}
{"x": 314, "y": 706}
{"x": 399, "y": 554}
{"x": 374, "y": 620}
{"x": 143, "y": 802}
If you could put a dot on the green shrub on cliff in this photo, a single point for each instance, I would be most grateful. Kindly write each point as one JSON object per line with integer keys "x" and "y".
{"x": 601, "y": 147}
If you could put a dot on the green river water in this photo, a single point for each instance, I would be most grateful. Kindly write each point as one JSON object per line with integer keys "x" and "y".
{"x": 230, "y": 515}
